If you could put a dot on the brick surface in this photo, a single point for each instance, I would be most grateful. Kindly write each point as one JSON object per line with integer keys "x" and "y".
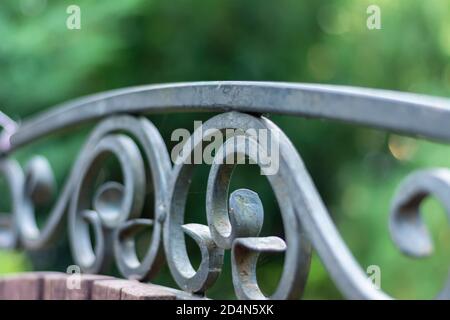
{"x": 54, "y": 286}
{"x": 141, "y": 291}
{"x": 84, "y": 292}
{"x": 110, "y": 289}
{"x": 26, "y": 286}
{"x": 2, "y": 292}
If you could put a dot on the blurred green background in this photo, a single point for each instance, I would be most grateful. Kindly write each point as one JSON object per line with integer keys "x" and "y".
{"x": 133, "y": 42}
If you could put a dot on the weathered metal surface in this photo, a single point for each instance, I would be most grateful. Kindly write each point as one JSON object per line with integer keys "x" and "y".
{"x": 404, "y": 112}
{"x": 8, "y": 127}
{"x": 235, "y": 219}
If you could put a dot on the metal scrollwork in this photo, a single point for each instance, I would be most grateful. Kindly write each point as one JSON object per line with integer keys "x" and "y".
{"x": 234, "y": 222}
{"x": 116, "y": 207}
{"x": 407, "y": 228}
{"x": 114, "y": 210}
{"x": 9, "y": 233}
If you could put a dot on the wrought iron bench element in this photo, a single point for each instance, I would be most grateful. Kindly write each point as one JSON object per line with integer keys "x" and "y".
{"x": 234, "y": 222}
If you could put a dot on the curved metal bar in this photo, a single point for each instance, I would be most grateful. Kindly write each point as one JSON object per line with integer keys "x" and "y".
{"x": 9, "y": 126}
{"x": 112, "y": 202}
{"x": 9, "y": 230}
{"x": 124, "y": 205}
{"x": 297, "y": 257}
{"x": 320, "y": 229}
{"x": 246, "y": 251}
{"x": 407, "y": 228}
{"x": 235, "y": 220}
{"x": 403, "y": 112}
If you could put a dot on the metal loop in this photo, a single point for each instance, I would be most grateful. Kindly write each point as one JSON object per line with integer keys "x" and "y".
{"x": 9, "y": 127}
{"x": 114, "y": 209}
{"x": 249, "y": 210}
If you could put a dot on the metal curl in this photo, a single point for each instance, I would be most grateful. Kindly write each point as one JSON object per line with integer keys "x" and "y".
{"x": 212, "y": 258}
{"x": 124, "y": 205}
{"x": 317, "y": 226}
{"x": 15, "y": 179}
{"x": 113, "y": 204}
{"x": 247, "y": 205}
{"x": 107, "y": 203}
{"x": 160, "y": 168}
{"x": 125, "y": 250}
{"x": 246, "y": 214}
{"x": 407, "y": 228}
{"x": 304, "y": 215}
{"x": 245, "y": 255}
{"x": 39, "y": 180}
{"x": 37, "y": 190}
{"x": 114, "y": 209}
{"x": 187, "y": 278}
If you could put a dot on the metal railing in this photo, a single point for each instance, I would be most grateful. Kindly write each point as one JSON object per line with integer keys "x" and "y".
{"x": 234, "y": 221}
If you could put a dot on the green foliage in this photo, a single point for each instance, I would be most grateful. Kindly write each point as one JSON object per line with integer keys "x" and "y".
{"x": 132, "y": 42}
{"x": 12, "y": 262}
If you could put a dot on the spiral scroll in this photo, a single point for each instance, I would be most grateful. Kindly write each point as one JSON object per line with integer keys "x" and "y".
{"x": 245, "y": 211}
{"x": 116, "y": 206}
{"x": 114, "y": 210}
